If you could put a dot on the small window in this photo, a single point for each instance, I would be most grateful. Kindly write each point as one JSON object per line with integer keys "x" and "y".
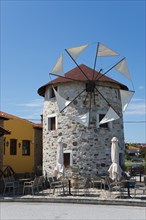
{"x": 13, "y": 146}
{"x": 52, "y": 94}
{"x": 52, "y": 123}
{"x": 67, "y": 160}
{"x": 105, "y": 125}
{"x": 25, "y": 147}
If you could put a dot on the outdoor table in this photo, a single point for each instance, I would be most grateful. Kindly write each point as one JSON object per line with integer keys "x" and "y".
{"x": 69, "y": 186}
{"x": 70, "y": 183}
{"x": 98, "y": 180}
{"x": 74, "y": 182}
{"x": 129, "y": 185}
{"x": 24, "y": 180}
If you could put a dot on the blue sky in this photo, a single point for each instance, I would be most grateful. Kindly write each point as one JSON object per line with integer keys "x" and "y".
{"x": 35, "y": 33}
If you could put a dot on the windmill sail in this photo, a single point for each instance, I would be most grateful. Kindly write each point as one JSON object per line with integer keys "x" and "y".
{"x": 126, "y": 97}
{"x": 62, "y": 103}
{"x": 111, "y": 115}
{"x": 75, "y": 51}
{"x": 83, "y": 119}
{"x": 58, "y": 68}
{"x": 105, "y": 51}
{"x": 122, "y": 67}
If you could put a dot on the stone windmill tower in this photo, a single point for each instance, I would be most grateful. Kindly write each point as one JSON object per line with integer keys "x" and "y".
{"x": 86, "y": 123}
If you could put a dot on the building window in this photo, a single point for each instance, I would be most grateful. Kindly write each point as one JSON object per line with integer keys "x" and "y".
{"x": 67, "y": 160}
{"x": 13, "y": 146}
{"x": 99, "y": 117}
{"x": 52, "y": 94}
{"x": 52, "y": 122}
{"x": 105, "y": 125}
{"x": 26, "y": 147}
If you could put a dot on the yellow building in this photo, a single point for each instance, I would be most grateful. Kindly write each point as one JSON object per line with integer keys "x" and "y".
{"x": 22, "y": 148}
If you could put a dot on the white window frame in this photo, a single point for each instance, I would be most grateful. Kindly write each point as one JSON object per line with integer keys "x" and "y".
{"x": 49, "y": 122}
{"x": 71, "y": 156}
{"x": 97, "y": 121}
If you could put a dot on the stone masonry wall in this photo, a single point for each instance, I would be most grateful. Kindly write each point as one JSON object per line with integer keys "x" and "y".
{"x": 90, "y": 147}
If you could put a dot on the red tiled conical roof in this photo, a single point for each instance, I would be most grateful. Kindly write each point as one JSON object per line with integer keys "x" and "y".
{"x": 77, "y": 74}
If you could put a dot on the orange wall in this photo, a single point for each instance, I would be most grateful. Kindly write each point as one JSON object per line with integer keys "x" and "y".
{"x": 20, "y": 130}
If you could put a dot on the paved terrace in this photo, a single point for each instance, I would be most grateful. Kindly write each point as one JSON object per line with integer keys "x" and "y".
{"x": 94, "y": 196}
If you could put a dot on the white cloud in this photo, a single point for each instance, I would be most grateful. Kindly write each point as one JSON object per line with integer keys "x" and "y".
{"x": 33, "y": 104}
{"x": 138, "y": 100}
{"x": 31, "y": 110}
{"x": 35, "y": 117}
{"x": 136, "y": 107}
{"x": 141, "y": 87}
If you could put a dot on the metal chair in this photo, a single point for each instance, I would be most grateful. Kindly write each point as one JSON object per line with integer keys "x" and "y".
{"x": 10, "y": 183}
{"x": 113, "y": 186}
{"x": 140, "y": 186}
{"x": 40, "y": 184}
{"x": 56, "y": 185}
{"x": 32, "y": 185}
{"x": 98, "y": 182}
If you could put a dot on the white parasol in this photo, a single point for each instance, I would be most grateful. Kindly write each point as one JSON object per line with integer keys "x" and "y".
{"x": 115, "y": 171}
{"x": 59, "y": 169}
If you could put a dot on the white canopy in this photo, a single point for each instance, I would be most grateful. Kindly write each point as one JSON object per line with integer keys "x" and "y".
{"x": 111, "y": 115}
{"x": 105, "y": 51}
{"x": 58, "y": 68}
{"x": 115, "y": 171}
{"x": 75, "y": 51}
{"x": 62, "y": 103}
{"x": 126, "y": 97}
{"x": 122, "y": 67}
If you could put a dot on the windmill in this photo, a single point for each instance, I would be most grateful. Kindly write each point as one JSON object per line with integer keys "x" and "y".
{"x": 91, "y": 87}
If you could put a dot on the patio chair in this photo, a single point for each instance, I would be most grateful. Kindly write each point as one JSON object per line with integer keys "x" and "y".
{"x": 31, "y": 185}
{"x": 40, "y": 184}
{"x": 140, "y": 186}
{"x": 98, "y": 182}
{"x": 113, "y": 186}
{"x": 127, "y": 185}
{"x": 81, "y": 185}
{"x": 57, "y": 185}
{"x": 10, "y": 183}
{"x": 85, "y": 185}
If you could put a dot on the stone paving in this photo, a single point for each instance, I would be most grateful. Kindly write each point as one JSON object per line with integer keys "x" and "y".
{"x": 94, "y": 196}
